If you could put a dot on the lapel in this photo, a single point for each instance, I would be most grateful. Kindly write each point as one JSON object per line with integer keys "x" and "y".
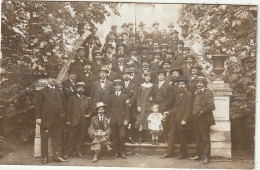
{"x": 81, "y": 102}
{"x": 51, "y": 93}
{"x": 180, "y": 98}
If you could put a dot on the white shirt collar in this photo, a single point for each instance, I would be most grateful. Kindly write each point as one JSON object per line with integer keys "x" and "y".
{"x": 79, "y": 95}
{"x": 52, "y": 87}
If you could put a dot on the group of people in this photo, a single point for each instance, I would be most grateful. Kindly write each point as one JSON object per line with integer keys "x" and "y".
{"x": 136, "y": 82}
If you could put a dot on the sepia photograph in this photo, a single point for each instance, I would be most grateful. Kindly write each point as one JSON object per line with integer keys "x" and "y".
{"x": 128, "y": 84}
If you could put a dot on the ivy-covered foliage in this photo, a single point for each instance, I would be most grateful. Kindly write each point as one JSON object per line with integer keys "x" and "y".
{"x": 32, "y": 34}
{"x": 230, "y": 30}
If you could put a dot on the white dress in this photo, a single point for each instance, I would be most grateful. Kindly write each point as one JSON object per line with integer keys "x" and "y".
{"x": 155, "y": 121}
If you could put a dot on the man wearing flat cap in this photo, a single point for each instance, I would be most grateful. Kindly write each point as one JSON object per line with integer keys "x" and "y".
{"x": 49, "y": 112}
{"x": 79, "y": 111}
{"x": 99, "y": 131}
{"x": 102, "y": 88}
{"x": 180, "y": 118}
{"x": 119, "y": 118}
{"x": 202, "y": 119}
{"x": 156, "y": 33}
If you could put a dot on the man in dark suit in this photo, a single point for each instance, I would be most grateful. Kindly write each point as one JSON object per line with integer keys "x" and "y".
{"x": 194, "y": 73}
{"x": 97, "y": 62}
{"x": 202, "y": 119}
{"x": 120, "y": 116}
{"x": 108, "y": 52}
{"x": 93, "y": 31}
{"x": 157, "y": 62}
{"x": 130, "y": 89}
{"x": 111, "y": 75}
{"x": 49, "y": 112}
{"x": 78, "y": 112}
{"x": 146, "y": 67}
{"x": 111, "y": 40}
{"x": 156, "y": 33}
{"x": 141, "y": 29}
{"x": 102, "y": 88}
{"x": 163, "y": 39}
{"x": 173, "y": 40}
{"x": 120, "y": 65}
{"x": 99, "y": 130}
{"x": 68, "y": 86}
{"x": 77, "y": 65}
{"x": 180, "y": 117}
{"x": 187, "y": 64}
{"x": 135, "y": 77}
{"x": 90, "y": 46}
{"x": 170, "y": 27}
{"x": 87, "y": 77}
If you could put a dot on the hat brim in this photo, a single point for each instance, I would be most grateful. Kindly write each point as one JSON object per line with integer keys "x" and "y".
{"x": 100, "y": 106}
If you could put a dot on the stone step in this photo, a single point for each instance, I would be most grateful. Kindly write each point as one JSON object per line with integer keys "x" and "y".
{"x": 148, "y": 148}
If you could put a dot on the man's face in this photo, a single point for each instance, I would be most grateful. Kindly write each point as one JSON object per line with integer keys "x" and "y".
{"x": 103, "y": 74}
{"x": 109, "y": 50}
{"x": 175, "y": 74}
{"x": 161, "y": 77}
{"x": 132, "y": 38}
{"x": 126, "y": 76}
{"x": 170, "y": 29}
{"x": 169, "y": 56}
{"x": 133, "y": 52}
{"x": 108, "y": 65}
{"x": 120, "y": 48}
{"x": 114, "y": 29}
{"x": 81, "y": 53}
{"x": 52, "y": 81}
{"x": 112, "y": 36}
{"x": 72, "y": 76}
{"x": 201, "y": 84}
{"x": 155, "y": 46}
{"x": 164, "y": 49}
{"x": 98, "y": 57}
{"x": 174, "y": 36}
{"x": 157, "y": 56}
{"x": 189, "y": 60}
{"x": 101, "y": 111}
{"x": 91, "y": 41}
{"x": 87, "y": 67}
{"x": 120, "y": 59}
{"x": 163, "y": 32}
{"x": 118, "y": 87}
{"x": 94, "y": 31}
{"x": 124, "y": 37}
{"x": 125, "y": 28}
{"x": 166, "y": 66}
{"x": 80, "y": 89}
{"x": 182, "y": 85}
{"x": 194, "y": 71}
{"x": 147, "y": 78}
{"x": 180, "y": 46}
{"x": 156, "y": 26}
{"x": 145, "y": 64}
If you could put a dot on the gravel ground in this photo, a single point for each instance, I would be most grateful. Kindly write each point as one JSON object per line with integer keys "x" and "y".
{"x": 24, "y": 156}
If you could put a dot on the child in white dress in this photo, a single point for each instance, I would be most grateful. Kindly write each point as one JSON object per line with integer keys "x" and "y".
{"x": 155, "y": 123}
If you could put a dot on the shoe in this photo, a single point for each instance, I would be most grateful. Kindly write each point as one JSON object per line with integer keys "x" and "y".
{"x": 60, "y": 159}
{"x": 195, "y": 158}
{"x": 181, "y": 156}
{"x": 205, "y": 161}
{"x": 80, "y": 155}
{"x": 108, "y": 148}
{"x": 123, "y": 156}
{"x": 65, "y": 157}
{"x": 166, "y": 156}
{"x": 115, "y": 156}
{"x": 44, "y": 160}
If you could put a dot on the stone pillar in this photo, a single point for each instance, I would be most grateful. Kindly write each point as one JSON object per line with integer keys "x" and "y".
{"x": 220, "y": 132}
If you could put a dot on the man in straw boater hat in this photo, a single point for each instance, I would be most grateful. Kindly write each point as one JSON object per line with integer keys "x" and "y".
{"x": 180, "y": 118}
{"x": 101, "y": 88}
{"x": 99, "y": 131}
{"x": 119, "y": 117}
{"x": 202, "y": 119}
{"x": 79, "y": 110}
{"x": 49, "y": 112}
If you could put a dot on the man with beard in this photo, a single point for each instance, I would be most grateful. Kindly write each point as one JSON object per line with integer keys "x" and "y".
{"x": 68, "y": 86}
{"x": 202, "y": 119}
{"x": 78, "y": 112}
{"x": 49, "y": 112}
{"x": 180, "y": 117}
{"x": 99, "y": 130}
{"x": 87, "y": 77}
{"x": 120, "y": 65}
{"x": 141, "y": 29}
{"x": 195, "y": 72}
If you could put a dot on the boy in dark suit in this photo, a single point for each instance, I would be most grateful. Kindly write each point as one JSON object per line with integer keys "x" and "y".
{"x": 99, "y": 130}
{"x": 180, "y": 117}
{"x": 120, "y": 116}
{"x": 78, "y": 112}
{"x": 49, "y": 113}
{"x": 202, "y": 119}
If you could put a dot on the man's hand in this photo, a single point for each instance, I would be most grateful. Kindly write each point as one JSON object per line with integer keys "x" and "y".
{"x": 127, "y": 101}
{"x": 150, "y": 99}
{"x": 183, "y": 122}
{"x": 125, "y": 122}
{"x": 86, "y": 116}
{"x": 38, "y": 121}
{"x": 139, "y": 109}
{"x": 129, "y": 126}
{"x": 68, "y": 123}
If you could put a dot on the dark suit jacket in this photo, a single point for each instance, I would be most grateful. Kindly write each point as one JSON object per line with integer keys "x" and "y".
{"x": 182, "y": 108}
{"x": 137, "y": 79}
{"x": 161, "y": 95}
{"x": 49, "y": 103}
{"x": 95, "y": 67}
{"x": 116, "y": 69}
{"x": 113, "y": 75}
{"x": 206, "y": 105}
{"x": 131, "y": 92}
{"x": 156, "y": 35}
{"x": 118, "y": 109}
{"x": 77, "y": 108}
{"x": 94, "y": 126}
{"x": 68, "y": 88}
{"x": 101, "y": 95}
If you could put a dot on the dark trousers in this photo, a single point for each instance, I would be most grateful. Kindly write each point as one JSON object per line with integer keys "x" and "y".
{"x": 55, "y": 133}
{"x": 201, "y": 130}
{"x": 166, "y": 129}
{"x": 118, "y": 138}
{"x": 77, "y": 136}
{"x": 177, "y": 132}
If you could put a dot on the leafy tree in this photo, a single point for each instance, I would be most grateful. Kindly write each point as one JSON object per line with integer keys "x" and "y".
{"x": 231, "y": 30}
{"x": 32, "y": 34}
